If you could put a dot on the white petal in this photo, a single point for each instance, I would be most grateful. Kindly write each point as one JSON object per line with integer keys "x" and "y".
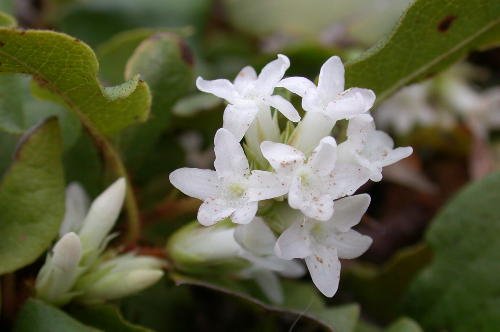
{"x": 324, "y": 156}
{"x": 265, "y": 185}
{"x": 282, "y": 157}
{"x": 350, "y": 103}
{"x": 237, "y": 119}
{"x": 245, "y": 214}
{"x": 350, "y": 244}
{"x": 102, "y": 215}
{"x": 213, "y": 211}
{"x": 270, "y": 285}
{"x": 349, "y": 210}
{"x": 194, "y": 182}
{"x": 245, "y": 77}
{"x": 347, "y": 178}
{"x": 271, "y": 74}
{"x": 289, "y": 268}
{"x": 324, "y": 267}
{"x": 297, "y": 85}
{"x": 221, "y": 88}
{"x": 256, "y": 237}
{"x": 358, "y": 130}
{"x": 397, "y": 154}
{"x": 284, "y": 107}
{"x": 309, "y": 200}
{"x": 77, "y": 205}
{"x": 331, "y": 78}
{"x": 294, "y": 242}
{"x": 229, "y": 156}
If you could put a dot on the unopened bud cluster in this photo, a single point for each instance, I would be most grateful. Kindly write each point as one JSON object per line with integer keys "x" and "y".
{"x": 78, "y": 268}
{"x": 301, "y": 164}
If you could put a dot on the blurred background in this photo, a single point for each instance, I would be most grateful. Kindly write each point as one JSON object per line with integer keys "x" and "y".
{"x": 452, "y": 120}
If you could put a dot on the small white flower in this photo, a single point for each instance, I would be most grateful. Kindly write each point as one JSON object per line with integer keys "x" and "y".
{"x": 251, "y": 94}
{"x": 322, "y": 243}
{"x": 231, "y": 190}
{"x": 329, "y": 97}
{"x": 326, "y": 103}
{"x": 309, "y": 180}
{"x": 363, "y": 155}
{"x": 257, "y": 242}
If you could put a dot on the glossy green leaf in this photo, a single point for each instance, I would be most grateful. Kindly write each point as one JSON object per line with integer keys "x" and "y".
{"x": 38, "y": 316}
{"x": 32, "y": 198}
{"x": 459, "y": 290}
{"x": 164, "y": 62}
{"x": 67, "y": 68}
{"x": 429, "y": 37}
{"x": 300, "y": 300}
{"x": 105, "y": 317}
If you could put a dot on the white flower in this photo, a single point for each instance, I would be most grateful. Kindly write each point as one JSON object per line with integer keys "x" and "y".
{"x": 250, "y": 94}
{"x": 76, "y": 208}
{"x": 310, "y": 179}
{"x": 406, "y": 109}
{"x": 366, "y": 151}
{"x": 58, "y": 275}
{"x": 326, "y": 103}
{"x": 322, "y": 243}
{"x": 231, "y": 190}
{"x": 257, "y": 242}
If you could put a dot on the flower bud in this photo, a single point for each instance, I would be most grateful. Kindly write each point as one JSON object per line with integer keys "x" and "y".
{"x": 198, "y": 249}
{"x": 264, "y": 128}
{"x": 115, "y": 285}
{"x": 77, "y": 205}
{"x": 102, "y": 216}
{"x": 60, "y": 271}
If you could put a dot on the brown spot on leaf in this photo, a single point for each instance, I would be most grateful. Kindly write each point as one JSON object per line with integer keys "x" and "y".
{"x": 445, "y": 24}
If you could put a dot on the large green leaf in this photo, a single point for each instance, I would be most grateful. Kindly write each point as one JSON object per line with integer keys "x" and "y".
{"x": 429, "y": 37}
{"x": 38, "y": 316}
{"x": 459, "y": 290}
{"x": 300, "y": 300}
{"x": 32, "y": 198}
{"x": 67, "y": 68}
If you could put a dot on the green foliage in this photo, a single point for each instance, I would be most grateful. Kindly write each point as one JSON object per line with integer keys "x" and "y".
{"x": 106, "y": 317}
{"x": 404, "y": 325}
{"x": 381, "y": 289}
{"x": 429, "y": 37}
{"x": 6, "y": 20}
{"x": 31, "y": 198}
{"x": 299, "y": 299}
{"x": 459, "y": 290}
{"x": 164, "y": 62}
{"x": 41, "y": 317}
{"x": 67, "y": 68}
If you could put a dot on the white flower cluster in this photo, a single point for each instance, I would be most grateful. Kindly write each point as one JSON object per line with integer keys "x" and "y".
{"x": 307, "y": 167}
{"x": 78, "y": 268}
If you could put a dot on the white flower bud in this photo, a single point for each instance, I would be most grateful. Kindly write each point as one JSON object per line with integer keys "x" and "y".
{"x": 57, "y": 277}
{"x": 77, "y": 205}
{"x": 117, "y": 285}
{"x": 102, "y": 216}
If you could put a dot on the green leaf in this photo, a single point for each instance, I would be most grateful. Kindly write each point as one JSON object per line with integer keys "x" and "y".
{"x": 67, "y": 68}
{"x": 164, "y": 62}
{"x": 6, "y": 20}
{"x": 105, "y": 317}
{"x": 459, "y": 290}
{"x": 404, "y": 325}
{"x": 19, "y": 110}
{"x": 32, "y": 198}
{"x": 38, "y": 316}
{"x": 429, "y": 37}
{"x": 381, "y": 289}
{"x": 300, "y": 300}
